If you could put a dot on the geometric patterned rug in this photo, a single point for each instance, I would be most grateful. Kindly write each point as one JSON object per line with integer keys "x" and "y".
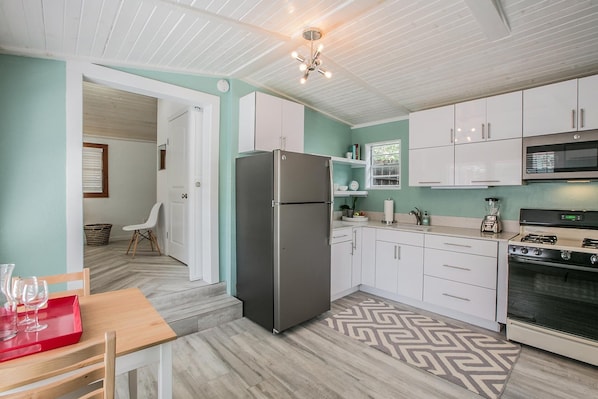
{"x": 475, "y": 361}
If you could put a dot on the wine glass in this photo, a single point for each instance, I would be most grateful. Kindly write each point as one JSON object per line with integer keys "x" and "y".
{"x": 17, "y": 293}
{"x": 35, "y": 296}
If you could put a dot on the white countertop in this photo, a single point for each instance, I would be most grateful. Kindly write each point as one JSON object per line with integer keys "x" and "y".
{"x": 433, "y": 229}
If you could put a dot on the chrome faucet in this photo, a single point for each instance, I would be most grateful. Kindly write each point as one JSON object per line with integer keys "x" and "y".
{"x": 418, "y": 215}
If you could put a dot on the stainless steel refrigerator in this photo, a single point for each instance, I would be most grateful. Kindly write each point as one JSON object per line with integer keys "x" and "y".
{"x": 283, "y": 220}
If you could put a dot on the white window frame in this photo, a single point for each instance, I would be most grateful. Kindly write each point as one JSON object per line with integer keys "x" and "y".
{"x": 369, "y": 169}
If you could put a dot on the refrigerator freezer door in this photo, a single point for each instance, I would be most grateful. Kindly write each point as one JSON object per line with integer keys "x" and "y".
{"x": 301, "y": 178}
{"x": 301, "y": 264}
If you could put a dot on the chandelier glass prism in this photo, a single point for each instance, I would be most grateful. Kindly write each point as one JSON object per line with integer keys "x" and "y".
{"x": 313, "y": 63}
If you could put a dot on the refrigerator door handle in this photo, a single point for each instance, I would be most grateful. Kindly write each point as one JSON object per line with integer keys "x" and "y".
{"x": 331, "y": 202}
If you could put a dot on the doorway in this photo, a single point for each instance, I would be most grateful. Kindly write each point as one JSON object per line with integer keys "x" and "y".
{"x": 203, "y": 260}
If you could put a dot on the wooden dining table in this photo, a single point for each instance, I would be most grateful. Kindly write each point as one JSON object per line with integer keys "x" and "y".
{"x": 142, "y": 335}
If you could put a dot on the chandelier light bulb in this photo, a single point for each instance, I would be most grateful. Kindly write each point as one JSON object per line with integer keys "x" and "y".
{"x": 328, "y": 74}
{"x": 302, "y": 67}
{"x": 302, "y": 80}
{"x": 294, "y": 54}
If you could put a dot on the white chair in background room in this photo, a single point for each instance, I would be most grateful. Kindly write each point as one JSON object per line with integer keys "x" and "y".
{"x": 145, "y": 230}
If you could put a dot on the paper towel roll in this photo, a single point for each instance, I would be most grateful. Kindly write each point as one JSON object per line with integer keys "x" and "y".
{"x": 388, "y": 211}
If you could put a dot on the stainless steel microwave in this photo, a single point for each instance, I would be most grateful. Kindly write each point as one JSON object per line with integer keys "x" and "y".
{"x": 561, "y": 156}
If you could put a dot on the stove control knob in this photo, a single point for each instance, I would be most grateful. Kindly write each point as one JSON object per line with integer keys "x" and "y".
{"x": 566, "y": 255}
{"x": 537, "y": 252}
{"x": 523, "y": 250}
{"x": 594, "y": 259}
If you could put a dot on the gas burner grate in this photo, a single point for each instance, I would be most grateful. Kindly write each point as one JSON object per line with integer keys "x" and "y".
{"x": 589, "y": 243}
{"x": 539, "y": 239}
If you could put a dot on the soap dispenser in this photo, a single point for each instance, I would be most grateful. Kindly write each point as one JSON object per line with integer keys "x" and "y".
{"x": 426, "y": 219}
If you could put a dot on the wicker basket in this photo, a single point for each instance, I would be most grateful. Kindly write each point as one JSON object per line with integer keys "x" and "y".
{"x": 97, "y": 234}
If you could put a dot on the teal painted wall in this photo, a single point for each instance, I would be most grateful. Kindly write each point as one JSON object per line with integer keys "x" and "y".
{"x": 32, "y": 165}
{"x": 466, "y": 203}
{"x": 33, "y": 160}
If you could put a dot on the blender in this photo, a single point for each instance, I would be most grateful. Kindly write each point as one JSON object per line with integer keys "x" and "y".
{"x": 491, "y": 222}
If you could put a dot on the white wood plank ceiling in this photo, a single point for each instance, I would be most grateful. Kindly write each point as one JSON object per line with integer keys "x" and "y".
{"x": 387, "y": 57}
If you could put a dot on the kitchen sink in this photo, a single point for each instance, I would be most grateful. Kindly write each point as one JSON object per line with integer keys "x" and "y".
{"x": 412, "y": 227}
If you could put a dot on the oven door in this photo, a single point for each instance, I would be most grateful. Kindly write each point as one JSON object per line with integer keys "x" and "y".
{"x": 556, "y": 296}
{"x": 561, "y": 156}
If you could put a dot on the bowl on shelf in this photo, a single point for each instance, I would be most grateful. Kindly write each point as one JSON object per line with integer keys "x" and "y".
{"x": 343, "y": 188}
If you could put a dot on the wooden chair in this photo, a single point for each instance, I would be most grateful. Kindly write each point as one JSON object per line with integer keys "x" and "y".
{"x": 79, "y": 371}
{"x": 82, "y": 276}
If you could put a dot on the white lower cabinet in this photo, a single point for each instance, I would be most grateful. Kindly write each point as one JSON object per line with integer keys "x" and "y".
{"x": 465, "y": 298}
{"x": 356, "y": 251}
{"x": 460, "y": 274}
{"x": 399, "y": 263}
{"x": 368, "y": 256}
{"x": 341, "y": 261}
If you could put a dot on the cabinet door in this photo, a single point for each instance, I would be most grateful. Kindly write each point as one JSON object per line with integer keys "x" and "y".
{"x": 432, "y": 166}
{"x": 550, "y": 109}
{"x": 293, "y": 121}
{"x": 356, "y": 257}
{"x": 432, "y": 127}
{"x": 368, "y": 256}
{"x": 387, "y": 266}
{"x": 340, "y": 268}
{"x": 470, "y": 121}
{"x": 411, "y": 272}
{"x": 504, "y": 116}
{"x": 268, "y": 122}
{"x": 588, "y": 103}
{"x": 492, "y": 163}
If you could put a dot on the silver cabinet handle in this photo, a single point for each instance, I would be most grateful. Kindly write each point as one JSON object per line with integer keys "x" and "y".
{"x": 483, "y": 132}
{"x": 581, "y": 118}
{"x": 344, "y": 235}
{"x": 399, "y": 252}
{"x": 428, "y": 182}
{"x": 573, "y": 118}
{"x": 488, "y": 129}
{"x": 457, "y": 267}
{"x": 354, "y": 239}
{"x": 456, "y": 297}
{"x": 457, "y": 245}
{"x": 452, "y": 136}
{"x": 485, "y": 181}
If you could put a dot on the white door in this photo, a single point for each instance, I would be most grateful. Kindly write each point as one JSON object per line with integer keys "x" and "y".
{"x": 177, "y": 169}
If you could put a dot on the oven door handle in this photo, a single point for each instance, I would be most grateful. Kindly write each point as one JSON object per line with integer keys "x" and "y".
{"x": 550, "y": 264}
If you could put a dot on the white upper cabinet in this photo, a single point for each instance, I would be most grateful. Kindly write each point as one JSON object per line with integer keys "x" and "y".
{"x": 493, "y": 118}
{"x": 491, "y": 163}
{"x": 432, "y": 166}
{"x": 587, "y": 102}
{"x": 550, "y": 109}
{"x": 432, "y": 127}
{"x": 267, "y": 123}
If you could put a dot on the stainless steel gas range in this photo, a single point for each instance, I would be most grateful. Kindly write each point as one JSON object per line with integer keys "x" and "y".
{"x": 553, "y": 283}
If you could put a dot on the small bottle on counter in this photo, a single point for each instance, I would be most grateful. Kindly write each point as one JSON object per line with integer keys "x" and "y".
{"x": 426, "y": 219}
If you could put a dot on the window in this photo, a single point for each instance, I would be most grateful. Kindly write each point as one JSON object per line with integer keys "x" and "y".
{"x": 383, "y": 165}
{"x": 95, "y": 170}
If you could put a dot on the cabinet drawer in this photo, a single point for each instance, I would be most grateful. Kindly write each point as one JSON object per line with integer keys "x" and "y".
{"x": 465, "y": 245}
{"x": 476, "y": 301}
{"x": 465, "y": 268}
{"x": 400, "y": 237}
{"x": 341, "y": 235}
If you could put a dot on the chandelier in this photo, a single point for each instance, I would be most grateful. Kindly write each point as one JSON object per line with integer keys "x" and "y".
{"x": 314, "y": 63}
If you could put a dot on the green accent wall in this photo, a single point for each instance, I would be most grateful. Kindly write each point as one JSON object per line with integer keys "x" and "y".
{"x": 32, "y": 165}
{"x": 466, "y": 202}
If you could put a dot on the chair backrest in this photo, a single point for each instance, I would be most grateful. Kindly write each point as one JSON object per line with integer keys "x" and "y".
{"x": 153, "y": 216}
{"x": 79, "y": 370}
{"x": 82, "y": 276}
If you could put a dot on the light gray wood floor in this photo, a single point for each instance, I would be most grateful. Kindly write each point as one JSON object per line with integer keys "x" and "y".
{"x": 240, "y": 359}
{"x": 112, "y": 269}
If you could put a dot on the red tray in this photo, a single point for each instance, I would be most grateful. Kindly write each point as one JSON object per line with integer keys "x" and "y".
{"x": 63, "y": 317}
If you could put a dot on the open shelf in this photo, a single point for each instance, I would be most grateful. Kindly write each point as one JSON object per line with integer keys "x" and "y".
{"x": 355, "y": 163}
{"x": 350, "y": 193}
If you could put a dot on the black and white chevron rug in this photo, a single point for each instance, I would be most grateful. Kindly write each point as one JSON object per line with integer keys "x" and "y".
{"x": 475, "y": 361}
